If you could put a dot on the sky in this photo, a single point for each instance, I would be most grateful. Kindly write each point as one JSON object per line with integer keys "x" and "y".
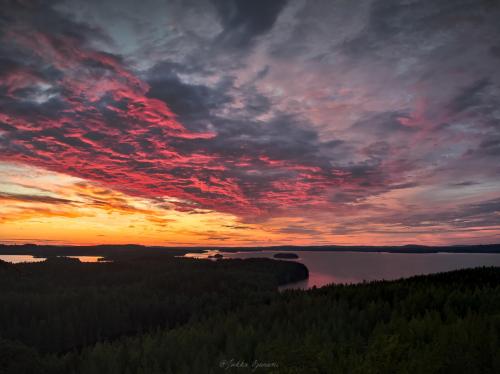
{"x": 241, "y": 123}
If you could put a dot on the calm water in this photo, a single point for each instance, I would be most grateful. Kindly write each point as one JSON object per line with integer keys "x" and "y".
{"x": 16, "y": 259}
{"x": 344, "y": 267}
{"x": 355, "y": 267}
{"x": 88, "y": 258}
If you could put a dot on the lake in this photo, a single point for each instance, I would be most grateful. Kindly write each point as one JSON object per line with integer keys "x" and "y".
{"x": 89, "y": 258}
{"x": 17, "y": 259}
{"x": 344, "y": 267}
{"x": 356, "y": 267}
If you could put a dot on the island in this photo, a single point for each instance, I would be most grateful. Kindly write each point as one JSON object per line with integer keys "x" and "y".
{"x": 62, "y": 260}
{"x": 286, "y": 255}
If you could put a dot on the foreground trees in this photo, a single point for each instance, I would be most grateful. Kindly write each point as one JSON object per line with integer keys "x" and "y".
{"x": 227, "y": 317}
{"x": 63, "y": 304}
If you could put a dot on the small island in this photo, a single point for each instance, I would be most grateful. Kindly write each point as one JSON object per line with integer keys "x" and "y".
{"x": 286, "y": 255}
{"x": 217, "y": 255}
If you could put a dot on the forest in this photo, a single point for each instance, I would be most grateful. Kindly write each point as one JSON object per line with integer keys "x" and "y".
{"x": 162, "y": 314}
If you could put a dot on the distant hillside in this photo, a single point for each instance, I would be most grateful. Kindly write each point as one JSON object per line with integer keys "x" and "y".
{"x": 127, "y": 250}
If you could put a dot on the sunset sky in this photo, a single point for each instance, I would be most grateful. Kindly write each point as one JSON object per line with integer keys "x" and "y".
{"x": 219, "y": 122}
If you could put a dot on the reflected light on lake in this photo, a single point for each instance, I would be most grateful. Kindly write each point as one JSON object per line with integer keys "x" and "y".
{"x": 89, "y": 258}
{"x": 355, "y": 267}
{"x": 17, "y": 259}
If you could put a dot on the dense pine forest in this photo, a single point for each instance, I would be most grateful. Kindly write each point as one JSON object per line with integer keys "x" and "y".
{"x": 162, "y": 314}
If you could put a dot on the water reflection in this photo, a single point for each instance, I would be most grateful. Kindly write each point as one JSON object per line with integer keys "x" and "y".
{"x": 89, "y": 258}
{"x": 355, "y": 267}
{"x": 208, "y": 254}
{"x": 17, "y": 259}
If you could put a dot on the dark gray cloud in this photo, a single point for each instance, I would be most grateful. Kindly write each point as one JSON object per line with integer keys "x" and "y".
{"x": 34, "y": 198}
{"x": 488, "y": 147}
{"x": 464, "y": 184}
{"x": 297, "y": 229}
{"x": 383, "y": 124}
{"x": 470, "y": 97}
{"x": 483, "y": 213}
{"x": 243, "y": 21}
{"x": 412, "y": 26}
{"x": 193, "y": 103}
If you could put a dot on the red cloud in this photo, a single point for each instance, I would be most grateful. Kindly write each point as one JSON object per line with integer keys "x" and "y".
{"x": 100, "y": 125}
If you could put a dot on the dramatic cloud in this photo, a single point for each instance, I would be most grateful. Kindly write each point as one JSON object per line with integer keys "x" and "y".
{"x": 33, "y": 198}
{"x": 243, "y": 21}
{"x": 320, "y": 119}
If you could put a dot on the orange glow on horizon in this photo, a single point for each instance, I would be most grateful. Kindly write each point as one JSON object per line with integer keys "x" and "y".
{"x": 68, "y": 210}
